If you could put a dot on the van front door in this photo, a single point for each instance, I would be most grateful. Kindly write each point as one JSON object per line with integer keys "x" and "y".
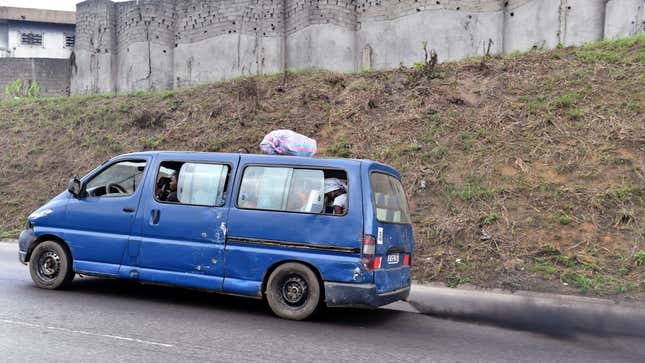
{"x": 184, "y": 221}
{"x": 99, "y": 225}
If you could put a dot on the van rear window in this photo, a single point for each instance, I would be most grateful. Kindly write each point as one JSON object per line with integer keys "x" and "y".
{"x": 294, "y": 190}
{"x": 389, "y": 199}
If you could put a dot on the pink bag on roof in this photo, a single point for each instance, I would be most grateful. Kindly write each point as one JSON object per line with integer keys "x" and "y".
{"x": 287, "y": 142}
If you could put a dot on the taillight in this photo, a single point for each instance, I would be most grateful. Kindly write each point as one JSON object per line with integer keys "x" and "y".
{"x": 369, "y": 260}
{"x": 406, "y": 260}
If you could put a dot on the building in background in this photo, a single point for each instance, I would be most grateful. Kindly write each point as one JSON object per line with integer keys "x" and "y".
{"x": 36, "y": 51}
{"x": 36, "y": 33}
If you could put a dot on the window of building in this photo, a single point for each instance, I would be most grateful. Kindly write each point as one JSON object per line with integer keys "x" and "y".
{"x": 287, "y": 189}
{"x": 192, "y": 183}
{"x": 31, "y": 38}
{"x": 69, "y": 40}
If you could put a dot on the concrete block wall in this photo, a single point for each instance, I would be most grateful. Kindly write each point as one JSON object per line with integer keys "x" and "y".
{"x": 624, "y": 17}
{"x": 321, "y": 34}
{"x": 455, "y": 29}
{"x": 223, "y": 39}
{"x": 94, "y": 64}
{"x": 145, "y": 34}
{"x": 161, "y": 44}
{"x": 52, "y": 75}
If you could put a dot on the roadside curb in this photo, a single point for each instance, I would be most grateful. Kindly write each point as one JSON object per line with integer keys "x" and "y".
{"x": 559, "y": 315}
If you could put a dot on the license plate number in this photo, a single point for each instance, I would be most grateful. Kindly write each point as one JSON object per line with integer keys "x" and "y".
{"x": 393, "y": 259}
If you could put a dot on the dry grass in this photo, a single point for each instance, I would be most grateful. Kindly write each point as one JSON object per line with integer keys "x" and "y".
{"x": 526, "y": 171}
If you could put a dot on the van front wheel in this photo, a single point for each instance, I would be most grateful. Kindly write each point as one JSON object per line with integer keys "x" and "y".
{"x": 293, "y": 291}
{"x": 50, "y": 266}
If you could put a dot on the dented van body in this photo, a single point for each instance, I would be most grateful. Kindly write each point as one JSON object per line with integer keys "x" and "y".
{"x": 243, "y": 224}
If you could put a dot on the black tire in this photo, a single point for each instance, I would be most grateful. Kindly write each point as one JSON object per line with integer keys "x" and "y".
{"x": 293, "y": 291}
{"x": 50, "y": 266}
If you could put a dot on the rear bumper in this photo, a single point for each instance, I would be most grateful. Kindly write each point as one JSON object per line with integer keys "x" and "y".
{"x": 363, "y": 295}
{"x": 24, "y": 242}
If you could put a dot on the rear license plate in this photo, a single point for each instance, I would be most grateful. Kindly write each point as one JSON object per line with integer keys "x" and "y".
{"x": 393, "y": 259}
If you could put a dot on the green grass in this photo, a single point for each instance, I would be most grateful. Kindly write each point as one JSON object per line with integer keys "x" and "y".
{"x": 413, "y": 147}
{"x": 536, "y": 104}
{"x": 639, "y": 258}
{"x": 583, "y": 283}
{"x": 575, "y": 114}
{"x": 469, "y": 138}
{"x": 632, "y": 106}
{"x": 341, "y": 149}
{"x": 599, "y": 283}
{"x": 490, "y": 218}
{"x": 613, "y": 51}
{"x": 216, "y": 146}
{"x": 625, "y": 192}
{"x": 470, "y": 190}
{"x": 454, "y": 280}
{"x": 153, "y": 142}
{"x": 564, "y": 219}
{"x": 13, "y": 233}
{"x": 544, "y": 266}
{"x": 565, "y": 100}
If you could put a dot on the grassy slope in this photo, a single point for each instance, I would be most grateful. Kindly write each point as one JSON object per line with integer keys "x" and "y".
{"x": 544, "y": 151}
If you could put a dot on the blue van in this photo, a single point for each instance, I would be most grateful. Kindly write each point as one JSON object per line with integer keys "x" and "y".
{"x": 298, "y": 232}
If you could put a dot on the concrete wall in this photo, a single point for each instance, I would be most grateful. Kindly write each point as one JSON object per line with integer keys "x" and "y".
{"x": 624, "y": 17}
{"x": 161, "y": 44}
{"x": 52, "y": 75}
{"x": 94, "y": 65}
{"x": 4, "y": 39}
{"x": 532, "y": 25}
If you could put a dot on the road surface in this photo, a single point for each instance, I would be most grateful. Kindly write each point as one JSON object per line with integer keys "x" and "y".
{"x": 102, "y": 320}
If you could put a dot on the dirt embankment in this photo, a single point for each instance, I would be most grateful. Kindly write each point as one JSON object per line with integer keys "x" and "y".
{"x": 525, "y": 171}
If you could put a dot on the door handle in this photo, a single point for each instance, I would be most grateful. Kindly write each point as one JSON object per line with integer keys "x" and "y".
{"x": 128, "y": 209}
{"x": 155, "y": 216}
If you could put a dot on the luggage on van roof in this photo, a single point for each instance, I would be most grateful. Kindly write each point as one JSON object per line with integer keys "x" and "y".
{"x": 287, "y": 142}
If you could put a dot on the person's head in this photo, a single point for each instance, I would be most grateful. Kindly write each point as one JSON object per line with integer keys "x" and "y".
{"x": 334, "y": 188}
{"x": 173, "y": 183}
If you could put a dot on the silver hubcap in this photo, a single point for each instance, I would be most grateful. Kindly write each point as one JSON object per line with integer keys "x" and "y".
{"x": 49, "y": 265}
{"x": 294, "y": 291}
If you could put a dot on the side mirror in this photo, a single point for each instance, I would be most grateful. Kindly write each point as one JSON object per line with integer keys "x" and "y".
{"x": 74, "y": 187}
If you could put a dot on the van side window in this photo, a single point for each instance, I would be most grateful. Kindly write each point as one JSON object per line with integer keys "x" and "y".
{"x": 284, "y": 189}
{"x": 120, "y": 179}
{"x": 192, "y": 183}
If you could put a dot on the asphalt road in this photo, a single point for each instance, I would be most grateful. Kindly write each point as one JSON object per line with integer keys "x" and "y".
{"x": 107, "y": 320}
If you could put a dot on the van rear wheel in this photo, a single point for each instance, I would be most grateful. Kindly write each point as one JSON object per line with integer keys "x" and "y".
{"x": 293, "y": 291}
{"x": 50, "y": 266}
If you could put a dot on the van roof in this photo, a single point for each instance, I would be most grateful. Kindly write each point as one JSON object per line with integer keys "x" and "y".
{"x": 338, "y": 162}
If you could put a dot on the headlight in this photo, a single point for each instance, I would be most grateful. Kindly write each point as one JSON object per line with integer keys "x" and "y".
{"x": 28, "y": 225}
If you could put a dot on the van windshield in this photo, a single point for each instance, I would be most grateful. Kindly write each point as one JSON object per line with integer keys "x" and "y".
{"x": 389, "y": 199}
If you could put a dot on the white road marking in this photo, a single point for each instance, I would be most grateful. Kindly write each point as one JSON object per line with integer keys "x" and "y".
{"x": 72, "y": 331}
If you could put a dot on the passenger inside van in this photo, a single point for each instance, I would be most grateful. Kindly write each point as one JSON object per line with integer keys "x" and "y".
{"x": 335, "y": 196}
{"x": 167, "y": 188}
{"x": 163, "y": 188}
{"x": 172, "y": 196}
